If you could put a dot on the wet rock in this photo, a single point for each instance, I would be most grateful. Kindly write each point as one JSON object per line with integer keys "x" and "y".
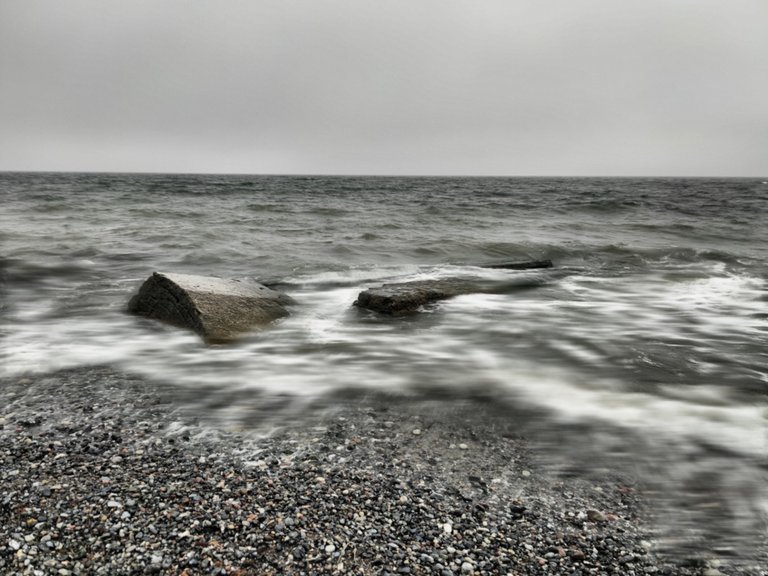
{"x": 218, "y": 309}
{"x": 407, "y": 297}
{"x": 520, "y": 265}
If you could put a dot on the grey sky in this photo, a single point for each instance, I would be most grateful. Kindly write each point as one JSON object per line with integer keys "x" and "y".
{"x": 498, "y": 87}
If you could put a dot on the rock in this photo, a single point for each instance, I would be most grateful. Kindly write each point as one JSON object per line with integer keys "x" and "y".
{"x": 577, "y": 555}
{"x": 407, "y": 297}
{"x": 218, "y": 309}
{"x": 520, "y": 265}
{"x": 595, "y": 516}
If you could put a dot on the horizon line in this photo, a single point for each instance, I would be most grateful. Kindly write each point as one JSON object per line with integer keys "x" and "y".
{"x": 368, "y": 175}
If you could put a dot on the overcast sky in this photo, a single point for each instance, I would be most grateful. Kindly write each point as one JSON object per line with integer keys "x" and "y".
{"x": 486, "y": 87}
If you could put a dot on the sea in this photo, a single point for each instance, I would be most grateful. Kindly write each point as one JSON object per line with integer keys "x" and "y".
{"x": 647, "y": 338}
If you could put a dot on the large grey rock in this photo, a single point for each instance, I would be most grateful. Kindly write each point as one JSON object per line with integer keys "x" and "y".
{"x": 218, "y": 309}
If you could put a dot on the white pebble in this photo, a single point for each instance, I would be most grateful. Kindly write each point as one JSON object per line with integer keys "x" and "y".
{"x": 447, "y": 528}
{"x": 330, "y": 549}
{"x": 463, "y": 447}
{"x": 416, "y": 432}
{"x": 526, "y": 473}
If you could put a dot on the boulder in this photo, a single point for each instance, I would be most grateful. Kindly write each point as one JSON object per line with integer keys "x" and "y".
{"x": 218, "y": 309}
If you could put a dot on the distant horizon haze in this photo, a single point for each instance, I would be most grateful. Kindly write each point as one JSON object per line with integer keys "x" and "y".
{"x": 413, "y": 176}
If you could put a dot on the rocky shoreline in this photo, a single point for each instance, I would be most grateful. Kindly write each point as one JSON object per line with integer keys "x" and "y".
{"x": 101, "y": 473}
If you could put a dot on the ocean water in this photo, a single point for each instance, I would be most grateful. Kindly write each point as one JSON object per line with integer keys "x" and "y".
{"x": 651, "y": 327}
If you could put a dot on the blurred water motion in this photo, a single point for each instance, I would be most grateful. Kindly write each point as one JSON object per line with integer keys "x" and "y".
{"x": 644, "y": 347}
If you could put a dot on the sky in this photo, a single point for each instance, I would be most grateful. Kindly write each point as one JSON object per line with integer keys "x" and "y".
{"x": 454, "y": 87}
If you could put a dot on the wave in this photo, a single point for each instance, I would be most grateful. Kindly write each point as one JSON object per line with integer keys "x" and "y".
{"x": 19, "y": 272}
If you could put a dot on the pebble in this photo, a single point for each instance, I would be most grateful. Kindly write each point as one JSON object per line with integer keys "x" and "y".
{"x": 595, "y": 516}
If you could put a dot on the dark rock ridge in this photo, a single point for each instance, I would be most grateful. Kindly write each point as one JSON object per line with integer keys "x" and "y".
{"x": 408, "y": 297}
{"x": 218, "y": 309}
{"x": 520, "y": 265}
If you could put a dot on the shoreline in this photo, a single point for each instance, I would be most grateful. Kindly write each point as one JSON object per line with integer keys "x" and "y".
{"x": 102, "y": 474}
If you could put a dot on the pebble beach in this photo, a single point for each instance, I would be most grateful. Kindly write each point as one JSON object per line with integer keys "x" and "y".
{"x": 101, "y": 473}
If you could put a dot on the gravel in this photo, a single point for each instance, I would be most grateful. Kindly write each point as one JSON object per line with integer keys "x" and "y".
{"x": 102, "y": 473}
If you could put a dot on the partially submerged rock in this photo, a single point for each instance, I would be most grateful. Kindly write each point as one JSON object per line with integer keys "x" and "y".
{"x": 520, "y": 265}
{"x": 218, "y": 309}
{"x": 397, "y": 299}
{"x": 408, "y": 297}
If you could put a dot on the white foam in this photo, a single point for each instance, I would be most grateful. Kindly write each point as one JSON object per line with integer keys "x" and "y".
{"x": 714, "y": 292}
{"x": 737, "y": 427}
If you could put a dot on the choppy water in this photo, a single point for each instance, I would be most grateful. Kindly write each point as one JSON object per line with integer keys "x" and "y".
{"x": 654, "y": 320}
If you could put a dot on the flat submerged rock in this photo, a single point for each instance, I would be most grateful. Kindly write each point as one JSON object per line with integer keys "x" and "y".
{"x": 219, "y": 309}
{"x": 408, "y": 297}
